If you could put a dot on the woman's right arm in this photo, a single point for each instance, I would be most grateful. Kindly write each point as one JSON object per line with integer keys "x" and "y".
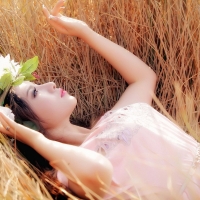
{"x": 81, "y": 166}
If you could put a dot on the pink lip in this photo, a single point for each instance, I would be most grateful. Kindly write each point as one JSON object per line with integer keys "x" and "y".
{"x": 62, "y": 92}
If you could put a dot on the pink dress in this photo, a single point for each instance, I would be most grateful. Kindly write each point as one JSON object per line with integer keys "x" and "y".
{"x": 152, "y": 157}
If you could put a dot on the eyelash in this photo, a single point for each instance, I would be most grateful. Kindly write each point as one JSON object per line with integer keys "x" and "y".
{"x": 35, "y": 92}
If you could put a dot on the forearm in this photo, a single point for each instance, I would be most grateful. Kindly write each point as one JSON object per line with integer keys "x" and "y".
{"x": 78, "y": 164}
{"x": 128, "y": 65}
{"x": 88, "y": 167}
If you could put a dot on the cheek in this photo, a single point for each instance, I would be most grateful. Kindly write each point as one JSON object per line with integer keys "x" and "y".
{"x": 43, "y": 107}
{"x": 57, "y": 110}
{"x": 54, "y": 108}
{"x": 41, "y": 111}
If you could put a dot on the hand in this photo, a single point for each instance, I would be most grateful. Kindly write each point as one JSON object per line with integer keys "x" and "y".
{"x": 62, "y": 23}
{"x": 18, "y": 131}
{"x": 7, "y": 125}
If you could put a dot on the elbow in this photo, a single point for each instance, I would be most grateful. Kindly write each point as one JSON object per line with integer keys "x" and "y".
{"x": 102, "y": 176}
{"x": 151, "y": 74}
{"x": 95, "y": 181}
{"x": 104, "y": 170}
{"x": 148, "y": 76}
{"x": 154, "y": 76}
{"x": 152, "y": 79}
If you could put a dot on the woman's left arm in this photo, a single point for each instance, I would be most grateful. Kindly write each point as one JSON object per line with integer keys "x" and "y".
{"x": 137, "y": 74}
{"x": 140, "y": 77}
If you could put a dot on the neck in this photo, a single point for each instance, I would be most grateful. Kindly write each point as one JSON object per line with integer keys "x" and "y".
{"x": 68, "y": 133}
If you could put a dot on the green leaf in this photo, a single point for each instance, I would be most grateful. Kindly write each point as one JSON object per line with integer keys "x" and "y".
{"x": 18, "y": 81}
{"x": 29, "y": 77}
{"x": 5, "y": 80}
{"x": 29, "y": 66}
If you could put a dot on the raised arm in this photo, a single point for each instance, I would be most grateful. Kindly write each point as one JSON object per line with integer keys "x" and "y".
{"x": 89, "y": 167}
{"x": 137, "y": 74}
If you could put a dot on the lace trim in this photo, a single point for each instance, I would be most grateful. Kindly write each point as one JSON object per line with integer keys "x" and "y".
{"x": 106, "y": 142}
{"x": 193, "y": 168}
{"x": 196, "y": 161}
{"x": 197, "y": 157}
{"x": 121, "y": 126}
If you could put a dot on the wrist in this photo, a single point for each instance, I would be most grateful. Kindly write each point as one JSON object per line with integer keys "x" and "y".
{"x": 86, "y": 33}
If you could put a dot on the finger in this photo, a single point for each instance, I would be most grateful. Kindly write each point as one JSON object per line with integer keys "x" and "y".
{"x": 55, "y": 22}
{"x": 58, "y": 7}
{"x": 61, "y": 21}
{"x": 5, "y": 128}
{"x": 7, "y": 122}
{"x": 45, "y": 11}
{"x": 52, "y": 22}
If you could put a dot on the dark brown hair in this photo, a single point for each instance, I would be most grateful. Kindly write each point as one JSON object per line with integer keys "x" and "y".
{"x": 22, "y": 110}
{"x": 41, "y": 166}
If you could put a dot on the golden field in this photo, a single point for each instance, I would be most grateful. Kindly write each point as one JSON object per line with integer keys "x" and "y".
{"x": 165, "y": 34}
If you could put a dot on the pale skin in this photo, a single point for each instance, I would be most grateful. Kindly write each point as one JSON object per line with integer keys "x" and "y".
{"x": 62, "y": 156}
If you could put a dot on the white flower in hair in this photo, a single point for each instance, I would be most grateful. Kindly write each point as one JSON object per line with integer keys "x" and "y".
{"x": 13, "y": 73}
{"x": 8, "y": 65}
{"x": 7, "y": 111}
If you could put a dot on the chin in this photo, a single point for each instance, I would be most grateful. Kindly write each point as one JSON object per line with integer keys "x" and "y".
{"x": 73, "y": 102}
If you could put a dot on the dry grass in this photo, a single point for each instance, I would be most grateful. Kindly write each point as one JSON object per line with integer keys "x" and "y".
{"x": 163, "y": 33}
{"x": 17, "y": 180}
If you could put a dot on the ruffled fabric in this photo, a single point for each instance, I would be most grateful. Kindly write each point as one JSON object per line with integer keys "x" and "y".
{"x": 152, "y": 157}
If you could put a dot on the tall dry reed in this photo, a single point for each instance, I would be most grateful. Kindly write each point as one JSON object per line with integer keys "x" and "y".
{"x": 165, "y": 34}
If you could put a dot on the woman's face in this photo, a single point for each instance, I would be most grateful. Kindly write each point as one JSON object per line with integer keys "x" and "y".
{"x": 52, "y": 105}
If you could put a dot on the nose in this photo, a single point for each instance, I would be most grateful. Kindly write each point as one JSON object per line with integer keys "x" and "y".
{"x": 50, "y": 86}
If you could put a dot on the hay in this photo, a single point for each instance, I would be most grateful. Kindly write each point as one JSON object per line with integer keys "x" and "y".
{"x": 17, "y": 179}
{"x": 163, "y": 33}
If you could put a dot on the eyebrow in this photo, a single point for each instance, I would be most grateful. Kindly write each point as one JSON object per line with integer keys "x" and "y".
{"x": 29, "y": 88}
